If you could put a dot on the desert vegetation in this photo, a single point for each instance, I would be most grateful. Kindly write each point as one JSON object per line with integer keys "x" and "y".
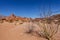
{"x": 1, "y": 21}
{"x": 49, "y": 29}
{"x": 48, "y": 25}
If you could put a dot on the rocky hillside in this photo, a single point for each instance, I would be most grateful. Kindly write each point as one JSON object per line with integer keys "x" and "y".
{"x": 13, "y": 18}
{"x": 21, "y": 28}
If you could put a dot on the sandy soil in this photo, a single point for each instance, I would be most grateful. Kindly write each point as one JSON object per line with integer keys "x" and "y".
{"x": 10, "y": 31}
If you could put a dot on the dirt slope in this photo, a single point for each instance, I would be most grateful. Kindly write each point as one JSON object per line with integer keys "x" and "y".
{"x": 10, "y": 31}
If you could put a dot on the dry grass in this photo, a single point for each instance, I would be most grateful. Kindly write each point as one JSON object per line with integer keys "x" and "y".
{"x": 49, "y": 29}
{"x": 20, "y": 32}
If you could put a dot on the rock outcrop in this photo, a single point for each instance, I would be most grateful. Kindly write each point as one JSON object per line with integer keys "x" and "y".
{"x": 13, "y": 18}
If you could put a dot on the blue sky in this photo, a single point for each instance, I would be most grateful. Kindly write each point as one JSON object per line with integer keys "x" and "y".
{"x": 28, "y": 8}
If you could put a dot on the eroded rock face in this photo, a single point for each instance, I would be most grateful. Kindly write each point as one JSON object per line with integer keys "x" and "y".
{"x": 13, "y": 18}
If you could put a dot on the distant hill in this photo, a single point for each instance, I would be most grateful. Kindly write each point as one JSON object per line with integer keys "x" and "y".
{"x": 12, "y": 17}
{"x": 57, "y": 16}
{"x": 2, "y": 16}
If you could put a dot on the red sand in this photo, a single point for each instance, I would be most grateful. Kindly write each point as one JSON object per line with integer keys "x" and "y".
{"x": 9, "y": 31}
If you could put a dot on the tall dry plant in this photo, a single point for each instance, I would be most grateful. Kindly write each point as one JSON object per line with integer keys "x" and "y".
{"x": 48, "y": 30}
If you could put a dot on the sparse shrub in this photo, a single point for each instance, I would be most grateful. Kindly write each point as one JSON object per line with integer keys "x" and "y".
{"x": 17, "y": 20}
{"x": 1, "y": 21}
{"x": 49, "y": 27}
{"x": 10, "y": 21}
{"x": 48, "y": 30}
{"x": 30, "y": 28}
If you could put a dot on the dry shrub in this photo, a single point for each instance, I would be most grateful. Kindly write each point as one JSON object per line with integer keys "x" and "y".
{"x": 10, "y": 21}
{"x": 48, "y": 30}
{"x": 1, "y": 21}
{"x": 30, "y": 28}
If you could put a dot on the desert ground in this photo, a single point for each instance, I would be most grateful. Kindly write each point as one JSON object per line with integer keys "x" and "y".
{"x": 10, "y": 31}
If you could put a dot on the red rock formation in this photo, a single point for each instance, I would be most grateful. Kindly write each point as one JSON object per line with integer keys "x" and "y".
{"x": 13, "y": 18}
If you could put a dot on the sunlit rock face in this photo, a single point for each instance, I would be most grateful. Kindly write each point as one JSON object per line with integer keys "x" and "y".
{"x": 13, "y": 18}
{"x": 17, "y": 18}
